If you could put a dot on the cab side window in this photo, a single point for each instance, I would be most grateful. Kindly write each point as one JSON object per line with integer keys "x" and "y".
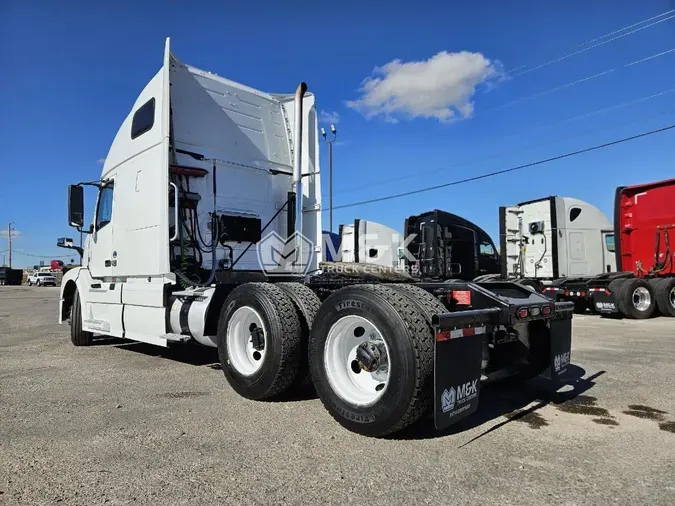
{"x": 105, "y": 205}
{"x": 486, "y": 249}
{"x": 609, "y": 243}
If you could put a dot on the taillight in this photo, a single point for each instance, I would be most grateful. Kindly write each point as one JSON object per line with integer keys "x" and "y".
{"x": 523, "y": 313}
{"x": 546, "y": 310}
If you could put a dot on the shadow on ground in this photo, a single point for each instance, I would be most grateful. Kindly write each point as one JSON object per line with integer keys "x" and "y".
{"x": 197, "y": 355}
{"x": 506, "y": 398}
{"x": 509, "y": 398}
{"x": 191, "y": 354}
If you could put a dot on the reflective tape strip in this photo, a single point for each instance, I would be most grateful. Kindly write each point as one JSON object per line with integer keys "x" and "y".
{"x": 464, "y": 332}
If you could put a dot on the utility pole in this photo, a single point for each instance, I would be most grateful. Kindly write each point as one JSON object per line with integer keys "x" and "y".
{"x": 333, "y": 130}
{"x": 9, "y": 241}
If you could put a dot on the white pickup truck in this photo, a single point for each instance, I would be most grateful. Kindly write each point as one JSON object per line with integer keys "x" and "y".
{"x": 42, "y": 279}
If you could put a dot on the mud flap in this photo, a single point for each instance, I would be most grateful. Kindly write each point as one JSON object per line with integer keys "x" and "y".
{"x": 457, "y": 363}
{"x": 604, "y": 302}
{"x": 561, "y": 346}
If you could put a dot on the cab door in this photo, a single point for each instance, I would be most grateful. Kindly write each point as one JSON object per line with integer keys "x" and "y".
{"x": 102, "y": 311}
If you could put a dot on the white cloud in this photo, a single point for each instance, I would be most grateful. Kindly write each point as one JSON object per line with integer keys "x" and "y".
{"x": 329, "y": 118}
{"x": 101, "y": 161}
{"x": 441, "y": 87}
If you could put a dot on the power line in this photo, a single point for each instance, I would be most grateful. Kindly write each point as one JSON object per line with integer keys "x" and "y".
{"x": 627, "y": 27}
{"x": 512, "y": 169}
{"x": 368, "y": 185}
{"x": 578, "y": 81}
{"x": 41, "y": 256}
{"x": 569, "y": 55}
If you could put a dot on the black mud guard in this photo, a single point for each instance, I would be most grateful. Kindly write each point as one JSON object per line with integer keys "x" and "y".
{"x": 604, "y": 301}
{"x": 560, "y": 337}
{"x": 458, "y": 353}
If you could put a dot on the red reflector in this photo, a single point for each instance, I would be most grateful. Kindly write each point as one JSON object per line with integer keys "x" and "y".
{"x": 567, "y": 294}
{"x": 583, "y": 294}
{"x": 463, "y": 297}
{"x": 443, "y": 335}
{"x": 546, "y": 310}
{"x": 469, "y": 332}
{"x": 607, "y": 292}
{"x": 522, "y": 313}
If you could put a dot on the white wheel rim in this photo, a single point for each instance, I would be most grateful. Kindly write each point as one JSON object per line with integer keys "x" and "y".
{"x": 243, "y": 356}
{"x": 672, "y": 297}
{"x": 347, "y": 379}
{"x": 641, "y": 298}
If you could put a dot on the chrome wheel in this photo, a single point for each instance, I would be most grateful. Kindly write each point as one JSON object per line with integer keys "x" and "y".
{"x": 356, "y": 360}
{"x": 671, "y": 297}
{"x": 642, "y": 299}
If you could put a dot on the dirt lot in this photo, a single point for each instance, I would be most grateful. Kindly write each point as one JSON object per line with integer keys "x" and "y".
{"x": 122, "y": 423}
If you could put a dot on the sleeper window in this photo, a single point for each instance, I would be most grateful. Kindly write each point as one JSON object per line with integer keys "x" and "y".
{"x": 144, "y": 118}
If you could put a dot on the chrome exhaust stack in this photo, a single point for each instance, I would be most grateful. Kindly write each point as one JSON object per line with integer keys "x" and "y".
{"x": 294, "y": 221}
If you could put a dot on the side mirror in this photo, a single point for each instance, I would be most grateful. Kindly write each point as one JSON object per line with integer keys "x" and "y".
{"x": 75, "y": 206}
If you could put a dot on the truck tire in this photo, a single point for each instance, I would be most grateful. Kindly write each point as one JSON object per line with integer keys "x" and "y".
{"x": 423, "y": 300}
{"x": 635, "y": 298}
{"x": 307, "y": 304}
{"x": 263, "y": 312}
{"x": 664, "y": 291}
{"x": 383, "y": 395}
{"x": 531, "y": 284}
{"x": 78, "y": 336}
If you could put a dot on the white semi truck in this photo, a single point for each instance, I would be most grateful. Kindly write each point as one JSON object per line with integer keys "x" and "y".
{"x": 556, "y": 244}
{"x": 207, "y": 228}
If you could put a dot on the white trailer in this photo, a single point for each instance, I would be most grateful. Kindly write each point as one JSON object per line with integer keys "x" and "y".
{"x": 207, "y": 228}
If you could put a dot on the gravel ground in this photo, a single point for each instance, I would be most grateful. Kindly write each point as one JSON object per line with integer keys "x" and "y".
{"x": 121, "y": 423}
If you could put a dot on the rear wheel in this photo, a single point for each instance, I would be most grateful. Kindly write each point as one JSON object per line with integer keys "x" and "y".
{"x": 259, "y": 340}
{"x": 664, "y": 291}
{"x": 78, "y": 336}
{"x": 636, "y": 298}
{"x": 371, "y": 356}
{"x": 530, "y": 284}
{"x": 307, "y": 304}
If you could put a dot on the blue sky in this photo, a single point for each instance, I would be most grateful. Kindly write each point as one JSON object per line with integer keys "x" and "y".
{"x": 73, "y": 69}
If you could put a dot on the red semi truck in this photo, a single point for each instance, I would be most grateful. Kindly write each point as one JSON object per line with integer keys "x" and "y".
{"x": 644, "y": 221}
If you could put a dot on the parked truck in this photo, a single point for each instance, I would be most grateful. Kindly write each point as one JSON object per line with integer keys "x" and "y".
{"x": 571, "y": 251}
{"x": 207, "y": 228}
{"x": 556, "y": 245}
{"x": 644, "y": 219}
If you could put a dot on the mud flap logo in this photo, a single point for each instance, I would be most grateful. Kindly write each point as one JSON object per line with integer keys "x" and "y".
{"x": 605, "y": 305}
{"x": 561, "y": 361}
{"x": 448, "y": 399}
{"x": 456, "y": 396}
